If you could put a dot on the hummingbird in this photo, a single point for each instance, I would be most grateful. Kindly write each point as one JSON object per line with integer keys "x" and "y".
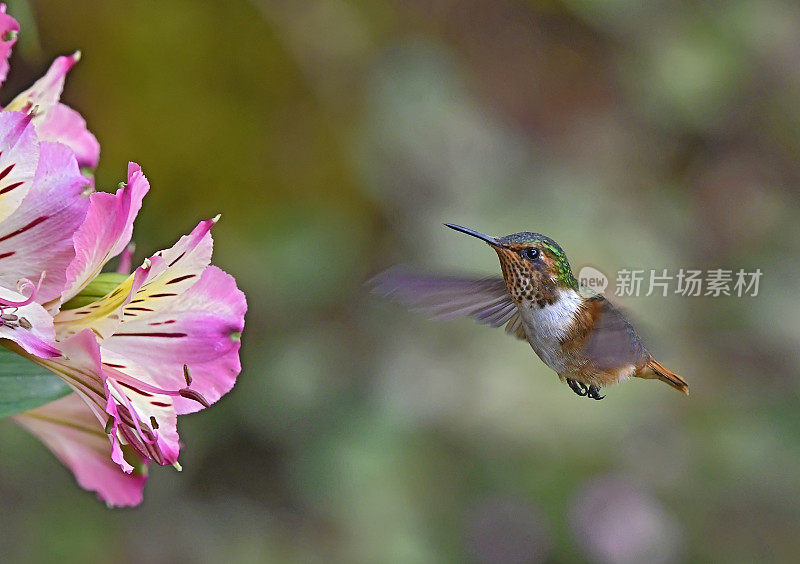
{"x": 576, "y": 332}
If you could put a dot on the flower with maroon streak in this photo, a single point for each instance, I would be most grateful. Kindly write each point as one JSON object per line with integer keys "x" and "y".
{"x": 162, "y": 342}
{"x": 138, "y": 349}
{"x": 43, "y": 201}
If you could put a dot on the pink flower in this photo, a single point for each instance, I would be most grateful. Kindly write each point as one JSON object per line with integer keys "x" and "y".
{"x": 8, "y": 37}
{"x": 70, "y": 430}
{"x": 163, "y": 342}
{"x": 54, "y": 121}
{"x": 43, "y": 200}
{"x": 137, "y": 350}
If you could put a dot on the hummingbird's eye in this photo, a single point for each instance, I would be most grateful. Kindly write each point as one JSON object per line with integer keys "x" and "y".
{"x": 530, "y": 254}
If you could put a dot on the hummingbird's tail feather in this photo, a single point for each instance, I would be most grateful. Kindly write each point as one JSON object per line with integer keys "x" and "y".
{"x": 666, "y": 375}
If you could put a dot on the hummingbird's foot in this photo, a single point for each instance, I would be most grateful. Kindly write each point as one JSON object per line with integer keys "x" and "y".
{"x": 577, "y": 387}
{"x": 594, "y": 393}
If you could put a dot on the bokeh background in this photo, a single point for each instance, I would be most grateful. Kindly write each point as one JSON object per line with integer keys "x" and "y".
{"x": 335, "y": 136}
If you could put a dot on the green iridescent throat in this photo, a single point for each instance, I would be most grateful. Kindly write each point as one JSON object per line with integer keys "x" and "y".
{"x": 565, "y": 275}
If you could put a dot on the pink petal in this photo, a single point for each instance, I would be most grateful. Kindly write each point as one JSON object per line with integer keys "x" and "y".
{"x": 79, "y": 366}
{"x": 19, "y": 155}
{"x": 106, "y": 231}
{"x": 69, "y": 428}
{"x": 144, "y": 416}
{"x": 45, "y": 92}
{"x": 8, "y": 37}
{"x": 39, "y": 339}
{"x": 37, "y": 237}
{"x": 141, "y": 415}
{"x": 175, "y": 270}
{"x": 63, "y": 124}
{"x": 55, "y": 121}
{"x": 190, "y": 255}
{"x": 165, "y": 274}
{"x": 199, "y": 328}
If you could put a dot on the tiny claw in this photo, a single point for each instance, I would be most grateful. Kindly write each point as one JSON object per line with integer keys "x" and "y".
{"x": 577, "y": 387}
{"x": 594, "y": 393}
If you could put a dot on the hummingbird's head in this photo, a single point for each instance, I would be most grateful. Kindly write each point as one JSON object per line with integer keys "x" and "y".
{"x": 534, "y": 266}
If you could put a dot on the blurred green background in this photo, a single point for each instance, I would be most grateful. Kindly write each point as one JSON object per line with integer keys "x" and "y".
{"x": 335, "y": 136}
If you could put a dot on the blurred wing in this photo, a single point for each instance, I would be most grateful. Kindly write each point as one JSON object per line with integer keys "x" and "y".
{"x": 443, "y": 298}
{"x": 612, "y": 342}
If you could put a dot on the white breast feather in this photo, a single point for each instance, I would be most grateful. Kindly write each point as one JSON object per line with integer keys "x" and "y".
{"x": 547, "y": 326}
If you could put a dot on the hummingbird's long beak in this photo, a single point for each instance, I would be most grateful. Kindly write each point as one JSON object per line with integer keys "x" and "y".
{"x": 491, "y": 240}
